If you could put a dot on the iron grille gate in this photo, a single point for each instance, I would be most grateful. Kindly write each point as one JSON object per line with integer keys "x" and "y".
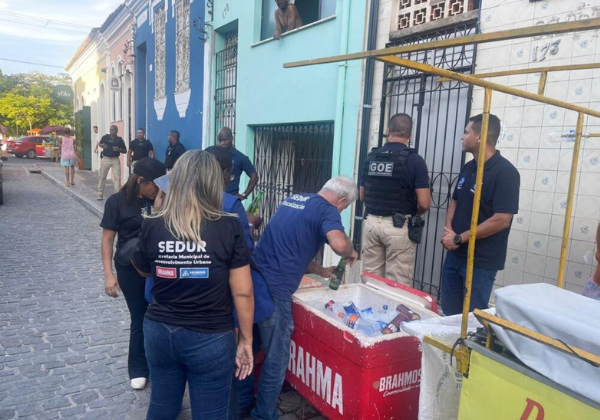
{"x": 226, "y": 84}
{"x": 293, "y": 158}
{"x": 439, "y": 111}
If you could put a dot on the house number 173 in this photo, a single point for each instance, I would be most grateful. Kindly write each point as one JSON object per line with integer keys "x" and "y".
{"x": 540, "y": 53}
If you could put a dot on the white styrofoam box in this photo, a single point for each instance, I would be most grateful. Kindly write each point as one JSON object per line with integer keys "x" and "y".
{"x": 558, "y": 314}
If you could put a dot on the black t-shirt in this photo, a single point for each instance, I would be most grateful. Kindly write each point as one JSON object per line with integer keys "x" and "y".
{"x": 140, "y": 148}
{"x": 499, "y": 194}
{"x": 191, "y": 283}
{"x": 111, "y": 142}
{"x": 172, "y": 154}
{"x": 123, "y": 218}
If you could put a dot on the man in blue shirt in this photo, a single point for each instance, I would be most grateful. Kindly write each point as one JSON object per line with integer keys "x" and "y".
{"x": 302, "y": 224}
{"x": 241, "y": 163}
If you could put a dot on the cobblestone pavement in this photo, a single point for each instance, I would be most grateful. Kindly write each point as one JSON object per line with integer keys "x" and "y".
{"x": 63, "y": 342}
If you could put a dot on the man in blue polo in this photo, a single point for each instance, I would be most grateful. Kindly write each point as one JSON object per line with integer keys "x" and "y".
{"x": 499, "y": 201}
{"x": 241, "y": 163}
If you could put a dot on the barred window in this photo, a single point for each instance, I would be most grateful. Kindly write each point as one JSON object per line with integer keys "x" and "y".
{"x": 159, "y": 60}
{"x": 182, "y": 81}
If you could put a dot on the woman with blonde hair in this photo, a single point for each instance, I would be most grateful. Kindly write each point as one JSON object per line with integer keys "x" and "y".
{"x": 199, "y": 261}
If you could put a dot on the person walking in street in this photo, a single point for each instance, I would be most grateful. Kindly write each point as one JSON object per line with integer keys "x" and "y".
{"x": 112, "y": 146}
{"x": 395, "y": 189}
{"x": 139, "y": 148}
{"x": 174, "y": 150}
{"x": 302, "y": 224}
{"x": 499, "y": 201}
{"x": 68, "y": 156}
{"x": 200, "y": 263}
{"x": 123, "y": 216}
{"x": 241, "y": 163}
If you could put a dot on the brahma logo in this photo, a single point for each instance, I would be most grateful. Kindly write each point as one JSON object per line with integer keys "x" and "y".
{"x": 166, "y": 273}
{"x": 400, "y": 382}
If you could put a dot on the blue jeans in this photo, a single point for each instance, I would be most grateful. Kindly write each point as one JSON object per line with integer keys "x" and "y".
{"x": 177, "y": 355}
{"x": 454, "y": 275}
{"x": 275, "y": 333}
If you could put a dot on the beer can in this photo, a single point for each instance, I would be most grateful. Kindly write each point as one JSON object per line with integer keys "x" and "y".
{"x": 408, "y": 313}
{"x": 394, "y": 325}
{"x": 329, "y": 305}
{"x": 351, "y": 308}
{"x": 351, "y": 321}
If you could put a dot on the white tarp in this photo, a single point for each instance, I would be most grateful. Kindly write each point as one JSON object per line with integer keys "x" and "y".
{"x": 558, "y": 314}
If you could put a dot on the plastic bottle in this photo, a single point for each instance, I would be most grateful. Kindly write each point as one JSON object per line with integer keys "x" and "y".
{"x": 368, "y": 328}
{"x": 254, "y": 207}
{"x": 334, "y": 283}
{"x": 334, "y": 309}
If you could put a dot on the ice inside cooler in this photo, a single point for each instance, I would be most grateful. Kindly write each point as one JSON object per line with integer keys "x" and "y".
{"x": 363, "y": 297}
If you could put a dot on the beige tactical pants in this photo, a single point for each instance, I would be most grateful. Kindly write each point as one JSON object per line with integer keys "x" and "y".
{"x": 107, "y": 163}
{"x": 387, "y": 251}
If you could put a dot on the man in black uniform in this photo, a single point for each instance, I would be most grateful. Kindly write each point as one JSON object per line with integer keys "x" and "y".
{"x": 499, "y": 201}
{"x": 139, "y": 148}
{"x": 395, "y": 188}
{"x": 112, "y": 146}
{"x": 174, "y": 150}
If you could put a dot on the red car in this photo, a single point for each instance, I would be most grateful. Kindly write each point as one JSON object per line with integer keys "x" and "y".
{"x": 25, "y": 146}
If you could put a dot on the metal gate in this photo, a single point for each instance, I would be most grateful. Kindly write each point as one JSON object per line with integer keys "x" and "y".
{"x": 226, "y": 84}
{"x": 439, "y": 112}
{"x": 292, "y": 158}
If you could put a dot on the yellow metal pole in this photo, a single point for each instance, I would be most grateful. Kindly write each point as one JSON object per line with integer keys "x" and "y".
{"x": 567, "y": 226}
{"x": 542, "y": 84}
{"x": 485, "y": 84}
{"x": 555, "y": 28}
{"x": 487, "y": 103}
{"x": 546, "y": 69}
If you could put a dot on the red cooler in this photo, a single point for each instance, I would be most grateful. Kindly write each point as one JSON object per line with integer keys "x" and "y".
{"x": 347, "y": 375}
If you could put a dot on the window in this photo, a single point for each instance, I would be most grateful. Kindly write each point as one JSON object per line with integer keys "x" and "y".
{"x": 159, "y": 49}
{"x": 182, "y": 81}
{"x": 309, "y": 10}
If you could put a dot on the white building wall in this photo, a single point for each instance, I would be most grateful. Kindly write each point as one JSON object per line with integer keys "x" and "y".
{"x": 535, "y": 239}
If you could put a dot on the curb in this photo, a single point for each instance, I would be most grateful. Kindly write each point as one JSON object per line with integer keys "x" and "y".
{"x": 88, "y": 204}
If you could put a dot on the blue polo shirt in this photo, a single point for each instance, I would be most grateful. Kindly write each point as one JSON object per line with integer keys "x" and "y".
{"x": 232, "y": 204}
{"x": 292, "y": 239}
{"x": 241, "y": 163}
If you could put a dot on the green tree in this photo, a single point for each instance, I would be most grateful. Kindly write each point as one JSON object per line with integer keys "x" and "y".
{"x": 26, "y": 102}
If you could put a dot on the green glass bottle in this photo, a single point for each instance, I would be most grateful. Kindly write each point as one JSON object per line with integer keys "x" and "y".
{"x": 334, "y": 283}
{"x": 255, "y": 205}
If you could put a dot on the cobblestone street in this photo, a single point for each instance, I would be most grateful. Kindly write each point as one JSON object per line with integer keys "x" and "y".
{"x": 63, "y": 342}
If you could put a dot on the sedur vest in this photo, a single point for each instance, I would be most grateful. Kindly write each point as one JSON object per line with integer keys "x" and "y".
{"x": 388, "y": 186}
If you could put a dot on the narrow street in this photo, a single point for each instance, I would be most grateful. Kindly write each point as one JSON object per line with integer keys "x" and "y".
{"x": 63, "y": 342}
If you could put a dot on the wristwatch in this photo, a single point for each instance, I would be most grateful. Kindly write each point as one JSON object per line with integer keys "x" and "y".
{"x": 457, "y": 239}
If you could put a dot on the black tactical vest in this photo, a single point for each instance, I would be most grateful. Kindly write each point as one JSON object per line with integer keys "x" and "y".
{"x": 387, "y": 183}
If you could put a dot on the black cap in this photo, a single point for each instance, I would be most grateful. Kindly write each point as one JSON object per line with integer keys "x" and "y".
{"x": 150, "y": 168}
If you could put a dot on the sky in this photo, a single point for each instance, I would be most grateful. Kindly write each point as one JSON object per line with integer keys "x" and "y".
{"x": 46, "y": 32}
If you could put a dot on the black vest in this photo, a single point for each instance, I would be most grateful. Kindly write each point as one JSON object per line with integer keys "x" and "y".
{"x": 388, "y": 186}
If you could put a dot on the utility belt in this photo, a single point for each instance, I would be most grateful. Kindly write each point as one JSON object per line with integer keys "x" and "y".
{"x": 415, "y": 224}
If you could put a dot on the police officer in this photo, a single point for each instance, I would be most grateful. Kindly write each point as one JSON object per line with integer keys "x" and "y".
{"x": 395, "y": 188}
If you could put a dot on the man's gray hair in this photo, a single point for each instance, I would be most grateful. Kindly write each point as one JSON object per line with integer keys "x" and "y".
{"x": 342, "y": 187}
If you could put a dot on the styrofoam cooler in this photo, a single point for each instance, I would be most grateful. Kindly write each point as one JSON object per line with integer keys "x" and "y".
{"x": 347, "y": 375}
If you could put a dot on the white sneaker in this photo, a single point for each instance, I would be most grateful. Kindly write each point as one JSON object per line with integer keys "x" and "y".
{"x": 138, "y": 383}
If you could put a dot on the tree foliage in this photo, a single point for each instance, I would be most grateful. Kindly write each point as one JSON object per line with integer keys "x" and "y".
{"x": 26, "y": 102}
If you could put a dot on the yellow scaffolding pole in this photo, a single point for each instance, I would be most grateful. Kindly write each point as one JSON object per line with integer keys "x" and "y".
{"x": 388, "y": 56}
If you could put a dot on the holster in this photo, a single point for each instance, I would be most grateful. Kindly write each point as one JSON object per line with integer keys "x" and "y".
{"x": 398, "y": 219}
{"x": 415, "y": 229}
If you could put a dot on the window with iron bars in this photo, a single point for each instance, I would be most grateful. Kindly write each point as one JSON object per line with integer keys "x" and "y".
{"x": 417, "y": 12}
{"x": 160, "y": 20}
{"x": 182, "y": 81}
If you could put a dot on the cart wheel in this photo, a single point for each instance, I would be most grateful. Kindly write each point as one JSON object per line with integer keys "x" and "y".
{"x": 30, "y": 154}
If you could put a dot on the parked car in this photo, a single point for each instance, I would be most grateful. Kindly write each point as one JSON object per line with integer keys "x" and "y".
{"x": 25, "y": 146}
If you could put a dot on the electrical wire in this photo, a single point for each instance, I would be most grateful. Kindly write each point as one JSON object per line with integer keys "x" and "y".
{"x": 29, "y": 62}
{"x": 60, "y": 22}
{"x": 43, "y": 26}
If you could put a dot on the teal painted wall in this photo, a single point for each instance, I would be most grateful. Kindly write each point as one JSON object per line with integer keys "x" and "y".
{"x": 269, "y": 94}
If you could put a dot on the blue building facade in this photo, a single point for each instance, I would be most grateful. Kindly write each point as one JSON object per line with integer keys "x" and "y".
{"x": 169, "y": 71}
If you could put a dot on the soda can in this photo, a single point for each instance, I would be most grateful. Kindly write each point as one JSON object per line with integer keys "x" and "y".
{"x": 408, "y": 313}
{"x": 329, "y": 305}
{"x": 366, "y": 312}
{"x": 351, "y": 308}
{"x": 351, "y": 321}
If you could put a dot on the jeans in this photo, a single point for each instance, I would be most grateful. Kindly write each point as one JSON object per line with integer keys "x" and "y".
{"x": 177, "y": 355}
{"x": 454, "y": 275}
{"x": 275, "y": 333}
{"x": 132, "y": 286}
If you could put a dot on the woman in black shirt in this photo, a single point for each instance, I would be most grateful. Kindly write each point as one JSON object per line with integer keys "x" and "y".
{"x": 123, "y": 216}
{"x": 199, "y": 261}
